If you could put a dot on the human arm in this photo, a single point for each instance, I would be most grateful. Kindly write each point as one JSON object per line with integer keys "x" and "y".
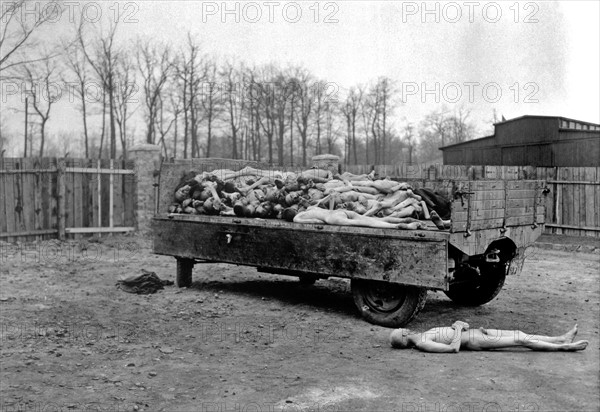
{"x": 458, "y": 327}
{"x": 436, "y": 347}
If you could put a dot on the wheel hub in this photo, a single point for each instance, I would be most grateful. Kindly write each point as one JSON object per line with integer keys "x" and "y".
{"x": 384, "y": 297}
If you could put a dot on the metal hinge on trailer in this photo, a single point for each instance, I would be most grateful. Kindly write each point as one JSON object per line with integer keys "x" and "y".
{"x": 505, "y": 186}
{"x": 462, "y": 193}
{"x": 535, "y": 197}
{"x": 545, "y": 190}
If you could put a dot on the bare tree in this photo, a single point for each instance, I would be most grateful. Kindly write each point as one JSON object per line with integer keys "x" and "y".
{"x": 376, "y": 108}
{"x": 41, "y": 80}
{"x": 283, "y": 89}
{"x": 319, "y": 97}
{"x": 409, "y": 140}
{"x": 125, "y": 91}
{"x": 434, "y": 131}
{"x": 155, "y": 66}
{"x": 233, "y": 79}
{"x": 253, "y": 108}
{"x": 76, "y": 62}
{"x": 350, "y": 110}
{"x": 304, "y": 108}
{"x": 190, "y": 76}
{"x": 164, "y": 122}
{"x": 176, "y": 108}
{"x": 211, "y": 101}
{"x": 17, "y": 32}
{"x": 330, "y": 114}
{"x": 262, "y": 90}
{"x": 102, "y": 55}
{"x": 460, "y": 127}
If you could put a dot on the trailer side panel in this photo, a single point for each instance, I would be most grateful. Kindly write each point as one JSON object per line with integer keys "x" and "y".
{"x": 326, "y": 250}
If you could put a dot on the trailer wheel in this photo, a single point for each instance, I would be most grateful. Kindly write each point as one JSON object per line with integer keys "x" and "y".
{"x": 387, "y": 304}
{"x": 184, "y": 272}
{"x": 479, "y": 289}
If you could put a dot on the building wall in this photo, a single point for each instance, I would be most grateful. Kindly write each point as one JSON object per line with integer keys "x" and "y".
{"x": 544, "y": 142}
{"x": 527, "y": 130}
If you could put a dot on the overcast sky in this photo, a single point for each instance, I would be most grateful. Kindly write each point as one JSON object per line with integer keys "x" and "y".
{"x": 543, "y": 57}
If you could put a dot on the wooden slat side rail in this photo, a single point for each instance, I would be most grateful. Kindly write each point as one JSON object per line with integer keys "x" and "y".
{"x": 99, "y": 229}
{"x": 573, "y": 182}
{"x": 595, "y": 229}
{"x": 30, "y": 233}
{"x": 23, "y": 171}
{"x": 93, "y": 170}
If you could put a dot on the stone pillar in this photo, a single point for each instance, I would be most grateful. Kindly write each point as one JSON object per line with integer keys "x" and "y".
{"x": 327, "y": 162}
{"x": 147, "y": 166}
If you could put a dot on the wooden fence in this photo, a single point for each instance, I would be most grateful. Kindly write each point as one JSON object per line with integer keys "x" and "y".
{"x": 572, "y": 203}
{"x": 48, "y": 197}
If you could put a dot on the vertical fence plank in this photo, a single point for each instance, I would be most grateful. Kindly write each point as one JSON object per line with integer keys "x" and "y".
{"x": 576, "y": 201}
{"x": 18, "y": 193}
{"x": 597, "y": 202}
{"x": 77, "y": 198}
{"x": 105, "y": 194}
{"x": 565, "y": 198}
{"x": 27, "y": 211}
{"x": 37, "y": 197}
{"x": 10, "y": 202}
{"x": 45, "y": 185}
{"x": 69, "y": 195}
{"x": 54, "y": 197}
{"x": 3, "y": 215}
{"x": 98, "y": 222}
{"x": 61, "y": 165}
{"x": 118, "y": 197}
{"x": 590, "y": 176}
{"x": 111, "y": 192}
{"x": 85, "y": 195}
{"x": 129, "y": 187}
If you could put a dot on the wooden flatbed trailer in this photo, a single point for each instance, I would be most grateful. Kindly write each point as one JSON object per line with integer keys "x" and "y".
{"x": 493, "y": 223}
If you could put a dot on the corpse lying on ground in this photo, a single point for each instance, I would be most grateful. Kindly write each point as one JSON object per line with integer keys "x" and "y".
{"x": 460, "y": 336}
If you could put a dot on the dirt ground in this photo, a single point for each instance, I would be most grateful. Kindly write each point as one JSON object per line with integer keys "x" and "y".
{"x": 243, "y": 341}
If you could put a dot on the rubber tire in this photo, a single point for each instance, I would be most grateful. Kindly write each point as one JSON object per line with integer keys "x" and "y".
{"x": 479, "y": 293}
{"x": 414, "y": 301}
{"x": 184, "y": 272}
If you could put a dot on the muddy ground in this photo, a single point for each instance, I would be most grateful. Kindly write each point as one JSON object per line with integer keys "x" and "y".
{"x": 243, "y": 341}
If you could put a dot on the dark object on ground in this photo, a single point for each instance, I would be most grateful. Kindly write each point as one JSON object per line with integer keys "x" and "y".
{"x": 144, "y": 284}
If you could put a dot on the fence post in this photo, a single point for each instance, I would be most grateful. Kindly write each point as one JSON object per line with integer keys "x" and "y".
{"x": 147, "y": 162}
{"x": 61, "y": 169}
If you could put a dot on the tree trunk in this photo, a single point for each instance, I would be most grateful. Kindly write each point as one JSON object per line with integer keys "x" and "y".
{"x": 280, "y": 141}
{"x": 292, "y": 133}
{"x": 354, "y": 138}
{"x": 113, "y": 132}
{"x": 175, "y": 137}
{"x": 85, "y": 127}
{"x": 103, "y": 126}
{"x": 209, "y": 133}
{"x": 42, "y": 135}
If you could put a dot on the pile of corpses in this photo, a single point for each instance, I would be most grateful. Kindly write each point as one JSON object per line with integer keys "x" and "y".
{"x": 312, "y": 196}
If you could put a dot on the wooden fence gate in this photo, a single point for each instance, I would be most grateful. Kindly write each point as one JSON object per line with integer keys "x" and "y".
{"x": 45, "y": 198}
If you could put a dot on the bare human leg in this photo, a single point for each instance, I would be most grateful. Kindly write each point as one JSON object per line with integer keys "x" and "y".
{"x": 566, "y": 338}
{"x": 499, "y": 339}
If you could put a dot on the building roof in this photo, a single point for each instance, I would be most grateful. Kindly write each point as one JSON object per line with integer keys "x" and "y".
{"x": 467, "y": 141}
{"x": 527, "y": 116}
